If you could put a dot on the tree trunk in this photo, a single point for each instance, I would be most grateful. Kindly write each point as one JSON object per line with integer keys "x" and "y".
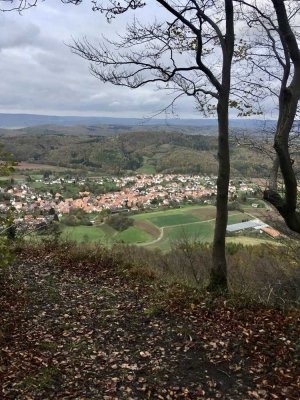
{"x": 273, "y": 181}
{"x": 287, "y": 206}
{"x": 288, "y": 102}
{"x": 218, "y": 277}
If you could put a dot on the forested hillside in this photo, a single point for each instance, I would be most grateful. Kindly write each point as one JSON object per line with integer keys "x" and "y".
{"x": 147, "y": 152}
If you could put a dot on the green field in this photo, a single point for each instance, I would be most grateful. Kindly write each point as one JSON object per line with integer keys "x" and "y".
{"x": 202, "y": 231}
{"x": 105, "y": 234}
{"x": 161, "y": 229}
{"x": 183, "y": 212}
{"x": 171, "y": 235}
{"x": 86, "y": 234}
{"x": 176, "y": 219}
{"x": 237, "y": 217}
{"x": 133, "y": 235}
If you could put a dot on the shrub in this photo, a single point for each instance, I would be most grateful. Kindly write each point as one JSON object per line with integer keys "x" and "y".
{"x": 77, "y": 217}
{"x": 266, "y": 274}
{"x": 234, "y": 206}
{"x": 119, "y": 222}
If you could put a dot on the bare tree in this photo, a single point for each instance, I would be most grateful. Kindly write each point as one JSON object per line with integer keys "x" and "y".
{"x": 189, "y": 53}
{"x": 264, "y": 144}
{"x": 288, "y": 102}
{"x": 21, "y": 5}
{"x": 275, "y": 59}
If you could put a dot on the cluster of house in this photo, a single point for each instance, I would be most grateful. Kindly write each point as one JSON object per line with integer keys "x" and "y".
{"x": 135, "y": 192}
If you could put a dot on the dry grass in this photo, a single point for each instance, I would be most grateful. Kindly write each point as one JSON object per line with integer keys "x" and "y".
{"x": 264, "y": 274}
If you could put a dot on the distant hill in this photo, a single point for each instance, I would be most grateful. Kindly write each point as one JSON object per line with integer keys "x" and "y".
{"x": 15, "y": 121}
{"x": 138, "y": 152}
{"x": 105, "y": 130}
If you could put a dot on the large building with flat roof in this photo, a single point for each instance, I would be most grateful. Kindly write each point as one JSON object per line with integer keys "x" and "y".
{"x": 253, "y": 223}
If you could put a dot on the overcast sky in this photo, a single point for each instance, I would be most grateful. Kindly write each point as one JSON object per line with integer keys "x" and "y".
{"x": 40, "y": 75}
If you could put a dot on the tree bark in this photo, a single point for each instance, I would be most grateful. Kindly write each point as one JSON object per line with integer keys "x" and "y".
{"x": 287, "y": 206}
{"x": 288, "y": 102}
{"x": 218, "y": 277}
{"x": 273, "y": 182}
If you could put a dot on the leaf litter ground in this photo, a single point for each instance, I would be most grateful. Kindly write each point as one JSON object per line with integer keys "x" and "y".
{"x": 69, "y": 331}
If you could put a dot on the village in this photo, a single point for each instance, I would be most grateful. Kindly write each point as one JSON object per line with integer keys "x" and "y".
{"x": 133, "y": 193}
{"x": 32, "y": 208}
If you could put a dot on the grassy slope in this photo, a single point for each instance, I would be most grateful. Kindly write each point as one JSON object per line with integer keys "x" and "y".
{"x": 176, "y": 219}
{"x": 133, "y": 235}
{"x": 187, "y": 211}
{"x": 202, "y": 231}
{"x": 249, "y": 241}
{"x": 86, "y": 234}
{"x": 105, "y": 234}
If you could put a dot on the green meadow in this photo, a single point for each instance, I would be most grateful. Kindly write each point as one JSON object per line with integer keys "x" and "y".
{"x": 175, "y": 219}
{"x": 105, "y": 234}
{"x": 85, "y": 234}
{"x": 160, "y": 229}
{"x": 202, "y": 230}
{"x": 133, "y": 235}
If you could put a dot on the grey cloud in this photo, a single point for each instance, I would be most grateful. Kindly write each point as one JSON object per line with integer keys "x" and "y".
{"x": 14, "y": 35}
{"x": 41, "y": 75}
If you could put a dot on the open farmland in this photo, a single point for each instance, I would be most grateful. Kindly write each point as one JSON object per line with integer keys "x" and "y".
{"x": 85, "y": 234}
{"x": 133, "y": 235}
{"x": 201, "y": 230}
{"x": 162, "y": 229}
{"x": 106, "y": 234}
{"x": 178, "y": 216}
{"x": 171, "y": 235}
{"x": 171, "y": 220}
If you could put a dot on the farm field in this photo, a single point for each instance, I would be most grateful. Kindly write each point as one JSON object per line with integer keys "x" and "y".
{"x": 171, "y": 235}
{"x": 162, "y": 229}
{"x": 178, "y": 216}
{"x": 133, "y": 235}
{"x": 39, "y": 167}
{"x": 85, "y": 234}
{"x": 170, "y": 220}
{"x": 105, "y": 234}
{"x": 203, "y": 230}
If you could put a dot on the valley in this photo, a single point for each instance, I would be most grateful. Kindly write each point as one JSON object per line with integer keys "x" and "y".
{"x": 149, "y": 200}
{"x": 154, "y": 211}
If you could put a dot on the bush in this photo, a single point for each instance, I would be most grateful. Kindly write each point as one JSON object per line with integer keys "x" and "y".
{"x": 234, "y": 205}
{"x": 119, "y": 222}
{"x": 77, "y": 217}
{"x": 6, "y": 256}
{"x": 266, "y": 274}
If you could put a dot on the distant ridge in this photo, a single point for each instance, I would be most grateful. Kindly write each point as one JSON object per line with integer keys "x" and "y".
{"x": 15, "y": 121}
